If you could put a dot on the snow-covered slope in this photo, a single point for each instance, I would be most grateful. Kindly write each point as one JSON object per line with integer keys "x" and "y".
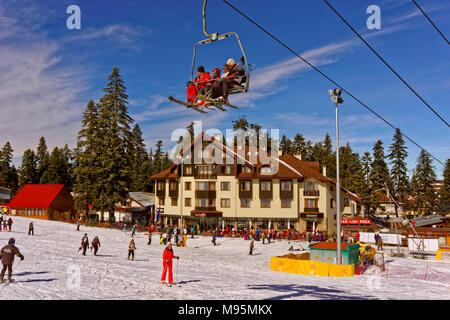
{"x": 226, "y": 271}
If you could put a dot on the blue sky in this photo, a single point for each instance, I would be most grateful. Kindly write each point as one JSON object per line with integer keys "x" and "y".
{"x": 48, "y": 73}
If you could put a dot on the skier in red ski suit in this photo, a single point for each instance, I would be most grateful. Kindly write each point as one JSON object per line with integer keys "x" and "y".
{"x": 203, "y": 79}
{"x": 167, "y": 263}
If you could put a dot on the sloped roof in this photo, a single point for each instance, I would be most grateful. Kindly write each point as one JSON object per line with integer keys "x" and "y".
{"x": 144, "y": 198}
{"x": 36, "y": 196}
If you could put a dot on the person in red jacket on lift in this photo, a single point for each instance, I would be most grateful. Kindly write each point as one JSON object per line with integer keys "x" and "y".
{"x": 167, "y": 264}
{"x": 203, "y": 78}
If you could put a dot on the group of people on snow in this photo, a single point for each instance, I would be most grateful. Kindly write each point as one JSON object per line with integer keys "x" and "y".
{"x": 216, "y": 87}
{"x": 5, "y": 224}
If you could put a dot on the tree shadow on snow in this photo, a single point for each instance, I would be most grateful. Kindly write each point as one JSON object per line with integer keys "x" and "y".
{"x": 295, "y": 290}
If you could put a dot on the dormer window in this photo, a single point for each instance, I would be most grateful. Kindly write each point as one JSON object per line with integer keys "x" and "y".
{"x": 246, "y": 169}
{"x": 265, "y": 170}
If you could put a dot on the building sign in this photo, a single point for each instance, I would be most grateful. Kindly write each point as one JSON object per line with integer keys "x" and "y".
{"x": 200, "y": 214}
{"x": 355, "y": 221}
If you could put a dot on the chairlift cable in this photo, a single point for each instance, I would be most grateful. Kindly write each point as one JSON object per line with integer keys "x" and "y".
{"x": 329, "y": 79}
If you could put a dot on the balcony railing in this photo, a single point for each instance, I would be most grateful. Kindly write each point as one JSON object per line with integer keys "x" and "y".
{"x": 311, "y": 209}
{"x": 311, "y": 193}
{"x": 206, "y": 176}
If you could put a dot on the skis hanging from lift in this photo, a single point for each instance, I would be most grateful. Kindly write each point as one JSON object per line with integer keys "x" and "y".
{"x": 187, "y": 105}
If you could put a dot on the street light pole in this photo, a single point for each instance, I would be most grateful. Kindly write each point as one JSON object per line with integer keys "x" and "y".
{"x": 336, "y": 97}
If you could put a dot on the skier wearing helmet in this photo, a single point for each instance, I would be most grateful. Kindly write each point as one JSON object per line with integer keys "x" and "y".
{"x": 7, "y": 255}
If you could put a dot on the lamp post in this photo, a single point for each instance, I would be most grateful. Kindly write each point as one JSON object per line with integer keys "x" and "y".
{"x": 336, "y": 98}
{"x": 181, "y": 158}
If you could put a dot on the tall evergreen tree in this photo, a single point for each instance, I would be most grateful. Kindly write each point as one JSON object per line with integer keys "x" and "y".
{"x": 444, "y": 195}
{"x": 139, "y": 161}
{"x": 88, "y": 166}
{"x": 57, "y": 171}
{"x": 397, "y": 156}
{"x": 6, "y": 155}
{"x": 42, "y": 157}
{"x": 28, "y": 168}
{"x": 379, "y": 176}
{"x": 424, "y": 177}
{"x": 114, "y": 128}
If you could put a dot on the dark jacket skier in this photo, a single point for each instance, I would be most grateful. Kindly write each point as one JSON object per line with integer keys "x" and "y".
{"x": 7, "y": 255}
{"x": 131, "y": 249}
{"x": 84, "y": 244}
{"x": 10, "y": 222}
{"x": 95, "y": 245}
{"x": 31, "y": 228}
{"x": 149, "y": 237}
{"x": 252, "y": 245}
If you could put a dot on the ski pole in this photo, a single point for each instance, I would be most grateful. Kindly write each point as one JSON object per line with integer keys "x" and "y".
{"x": 177, "y": 271}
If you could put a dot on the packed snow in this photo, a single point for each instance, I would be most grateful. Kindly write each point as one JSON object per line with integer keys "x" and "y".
{"x": 224, "y": 272}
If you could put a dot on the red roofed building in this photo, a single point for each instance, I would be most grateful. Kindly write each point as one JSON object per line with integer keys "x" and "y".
{"x": 43, "y": 201}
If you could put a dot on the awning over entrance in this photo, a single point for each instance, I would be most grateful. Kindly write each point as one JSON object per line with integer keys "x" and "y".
{"x": 201, "y": 213}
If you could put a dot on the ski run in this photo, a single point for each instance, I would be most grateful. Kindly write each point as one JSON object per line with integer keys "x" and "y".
{"x": 53, "y": 269}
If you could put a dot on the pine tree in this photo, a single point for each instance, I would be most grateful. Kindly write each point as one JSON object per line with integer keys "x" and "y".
{"x": 87, "y": 171}
{"x": 365, "y": 189}
{"x": 6, "y": 155}
{"x": 138, "y": 161}
{"x": 398, "y": 154}
{"x": 299, "y": 145}
{"x": 57, "y": 171}
{"x": 114, "y": 128}
{"x": 28, "y": 168}
{"x": 42, "y": 157}
{"x": 424, "y": 176}
{"x": 379, "y": 176}
{"x": 158, "y": 158}
{"x": 444, "y": 195}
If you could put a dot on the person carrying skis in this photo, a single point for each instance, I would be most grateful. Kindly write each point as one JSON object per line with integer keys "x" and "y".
{"x": 84, "y": 244}
{"x": 7, "y": 255}
{"x": 167, "y": 264}
{"x": 31, "y": 229}
{"x": 10, "y": 222}
{"x": 95, "y": 245}
{"x": 252, "y": 245}
{"x": 131, "y": 248}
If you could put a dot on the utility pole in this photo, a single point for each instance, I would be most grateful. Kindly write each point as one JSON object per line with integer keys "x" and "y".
{"x": 336, "y": 98}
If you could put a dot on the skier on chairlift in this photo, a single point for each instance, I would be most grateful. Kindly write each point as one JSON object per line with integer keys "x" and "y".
{"x": 197, "y": 87}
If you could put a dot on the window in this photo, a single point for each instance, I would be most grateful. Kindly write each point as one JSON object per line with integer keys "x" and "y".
{"x": 265, "y": 170}
{"x": 225, "y": 186}
{"x": 205, "y": 170}
{"x": 205, "y": 186}
{"x": 173, "y": 185}
{"x": 227, "y": 169}
{"x": 346, "y": 202}
{"x": 331, "y": 203}
{"x": 265, "y": 203}
{"x": 174, "y": 202}
{"x": 246, "y": 169}
{"x": 161, "y": 201}
{"x": 187, "y": 202}
{"x": 311, "y": 186}
{"x": 187, "y": 186}
{"x": 188, "y": 170}
{"x": 286, "y": 185}
{"x": 311, "y": 203}
{"x": 245, "y": 203}
{"x": 244, "y": 185}
{"x": 225, "y": 203}
{"x": 265, "y": 185}
{"x": 160, "y": 185}
{"x": 205, "y": 203}
{"x": 285, "y": 203}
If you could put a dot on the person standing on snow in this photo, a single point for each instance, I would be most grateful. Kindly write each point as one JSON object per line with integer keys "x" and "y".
{"x": 133, "y": 231}
{"x": 95, "y": 245}
{"x": 84, "y": 243}
{"x": 131, "y": 248}
{"x": 149, "y": 237}
{"x": 124, "y": 229}
{"x": 7, "y": 255}
{"x": 214, "y": 238}
{"x": 1, "y": 222}
{"x": 5, "y": 225}
{"x": 10, "y": 222}
{"x": 167, "y": 264}
{"x": 31, "y": 228}
{"x": 78, "y": 223}
{"x": 252, "y": 245}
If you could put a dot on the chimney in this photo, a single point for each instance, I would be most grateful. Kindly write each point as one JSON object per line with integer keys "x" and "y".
{"x": 324, "y": 170}
{"x": 298, "y": 156}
